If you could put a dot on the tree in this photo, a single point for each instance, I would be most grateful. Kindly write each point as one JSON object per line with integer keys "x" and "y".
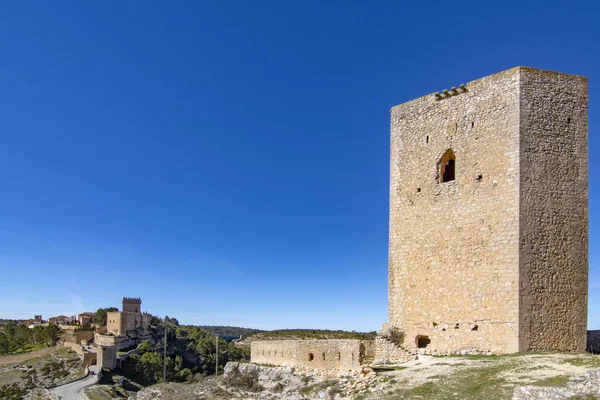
{"x": 100, "y": 316}
{"x": 150, "y": 366}
{"x": 145, "y": 347}
{"x": 39, "y": 335}
{"x": 4, "y": 345}
{"x": 185, "y": 375}
{"x": 51, "y": 333}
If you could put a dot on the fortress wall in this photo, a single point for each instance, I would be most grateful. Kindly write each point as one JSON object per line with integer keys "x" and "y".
{"x": 120, "y": 342}
{"x": 453, "y": 246}
{"x": 77, "y": 337}
{"x": 133, "y": 321}
{"x": 114, "y": 322}
{"x": 553, "y": 211}
{"x": 334, "y": 354}
{"x": 74, "y": 346}
{"x": 107, "y": 357}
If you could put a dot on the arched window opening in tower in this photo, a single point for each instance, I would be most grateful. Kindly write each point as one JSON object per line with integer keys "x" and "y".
{"x": 422, "y": 341}
{"x": 448, "y": 167}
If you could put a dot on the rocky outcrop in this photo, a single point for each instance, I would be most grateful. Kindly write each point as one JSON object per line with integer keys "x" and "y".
{"x": 256, "y": 382}
{"x": 581, "y": 387}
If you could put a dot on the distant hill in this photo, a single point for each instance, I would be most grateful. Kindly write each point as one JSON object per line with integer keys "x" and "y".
{"x": 297, "y": 334}
{"x": 230, "y": 333}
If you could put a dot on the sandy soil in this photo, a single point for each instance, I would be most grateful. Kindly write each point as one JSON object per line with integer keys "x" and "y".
{"x": 19, "y": 358}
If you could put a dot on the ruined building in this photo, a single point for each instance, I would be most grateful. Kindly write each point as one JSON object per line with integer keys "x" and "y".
{"x": 336, "y": 355}
{"x": 488, "y": 235}
{"x": 488, "y": 240}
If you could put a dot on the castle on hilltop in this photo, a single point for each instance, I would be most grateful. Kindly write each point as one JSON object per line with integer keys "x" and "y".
{"x": 129, "y": 319}
{"x": 488, "y": 235}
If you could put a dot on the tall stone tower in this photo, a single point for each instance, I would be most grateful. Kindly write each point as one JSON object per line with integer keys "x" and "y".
{"x": 132, "y": 304}
{"x": 488, "y": 242}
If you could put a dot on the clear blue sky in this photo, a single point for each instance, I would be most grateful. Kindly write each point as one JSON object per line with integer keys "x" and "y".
{"x": 228, "y": 161}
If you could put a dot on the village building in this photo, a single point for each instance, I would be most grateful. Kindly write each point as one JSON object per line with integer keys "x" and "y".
{"x": 85, "y": 319}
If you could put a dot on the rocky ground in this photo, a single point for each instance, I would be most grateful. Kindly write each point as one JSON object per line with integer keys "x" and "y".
{"x": 518, "y": 377}
{"x": 28, "y": 379}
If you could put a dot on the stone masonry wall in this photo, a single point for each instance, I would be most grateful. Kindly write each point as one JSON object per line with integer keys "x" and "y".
{"x": 115, "y": 323}
{"x": 107, "y": 357}
{"x": 76, "y": 347}
{"x": 119, "y": 323}
{"x": 77, "y": 337}
{"x": 453, "y": 246}
{"x": 553, "y": 211}
{"x": 120, "y": 342}
{"x": 131, "y": 304}
{"x": 495, "y": 260}
{"x": 335, "y": 354}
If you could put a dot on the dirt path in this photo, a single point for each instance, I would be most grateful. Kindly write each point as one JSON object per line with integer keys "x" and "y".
{"x": 19, "y": 358}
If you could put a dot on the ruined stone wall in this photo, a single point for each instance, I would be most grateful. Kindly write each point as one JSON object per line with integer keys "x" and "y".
{"x": 553, "y": 211}
{"x": 453, "y": 246}
{"x": 334, "y": 354}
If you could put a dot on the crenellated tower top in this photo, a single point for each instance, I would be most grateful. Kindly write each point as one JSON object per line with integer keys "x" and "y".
{"x": 132, "y": 304}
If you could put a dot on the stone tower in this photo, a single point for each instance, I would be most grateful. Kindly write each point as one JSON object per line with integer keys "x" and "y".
{"x": 488, "y": 241}
{"x": 132, "y": 304}
{"x": 107, "y": 357}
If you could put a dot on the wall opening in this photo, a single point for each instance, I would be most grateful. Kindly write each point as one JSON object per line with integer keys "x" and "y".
{"x": 323, "y": 356}
{"x": 448, "y": 167}
{"x": 427, "y": 139}
{"x": 418, "y": 190}
{"x": 475, "y": 328}
{"x": 311, "y": 356}
{"x": 339, "y": 356}
{"x": 422, "y": 341}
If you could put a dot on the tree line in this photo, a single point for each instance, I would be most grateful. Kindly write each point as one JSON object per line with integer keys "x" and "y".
{"x": 18, "y": 338}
